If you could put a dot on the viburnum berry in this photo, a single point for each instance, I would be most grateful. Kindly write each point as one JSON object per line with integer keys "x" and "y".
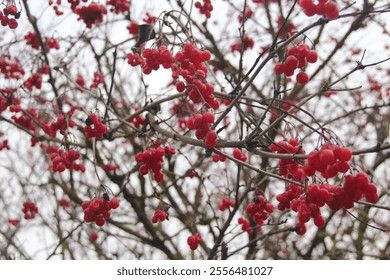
{"x": 91, "y": 14}
{"x": 98, "y": 210}
{"x": 93, "y": 236}
{"x": 239, "y": 155}
{"x": 159, "y": 215}
{"x": 13, "y": 222}
{"x": 194, "y": 240}
{"x": 30, "y": 210}
{"x": 64, "y": 202}
{"x": 259, "y": 209}
{"x": 302, "y": 78}
{"x": 206, "y": 8}
{"x": 245, "y": 225}
{"x": 94, "y": 127}
{"x": 226, "y": 203}
{"x": 152, "y": 160}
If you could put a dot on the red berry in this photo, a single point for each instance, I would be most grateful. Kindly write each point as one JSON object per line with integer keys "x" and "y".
{"x": 331, "y": 10}
{"x": 114, "y": 203}
{"x": 302, "y": 78}
{"x": 312, "y": 57}
{"x": 279, "y": 68}
{"x": 326, "y": 157}
{"x": 208, "y": 117}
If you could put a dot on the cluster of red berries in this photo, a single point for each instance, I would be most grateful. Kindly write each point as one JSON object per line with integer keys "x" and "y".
{"x": 91, "y": 14}
{"x": 327, "y": 8}
{"x": 119, "y": 6}
{"x": 259, "y": 209}
{"x": 9, "y": 16}
{"x": 134, "y": 59}
{"x": 297, "y": 57}
{"x": 10, "y": 69}
{"x": 138, "y": 121}
{"x": 33, "y": 41}
{"x": 8, "y": 100}
{"x": 159, "y": 215}
{"x": 206, "y": 8}
{"x": 4, "y": 145}
{"x": 13, "y": 222}
{"x": 189, "y": 64}
{"x": 133, "y": 28}
{"x": 244, "y": 44}
{"x": 98, "y": 210}
{"x": 238, "y": 154}
{"x": 61, "y": 124}
{"x": 289, "y": 168}
{"x": 217, "y": 157}
{"x": 248, "y": 14}
{"x": 194, "y": 240}
{"x": 329, "y": 160}
{"x": 93, "y": 236}
{"x": 98, "y": 79}
{"x": 156, "y": 57}
{"x": 64, "y": 202}
{"x": 149, "y": 19}
{"x": 226, "y": 203}
{"x": 245, "y": 225}
{"x": 34, "y": 81}
{"x": 29, "y": 210}
{"x": 94, "y": 127}
{"x": 64, "y": 159}
{"x": 201, "y": 123}
{"x": 56, "y": 5}
{"x": 152, "y": 160}
{"x": 27, "y": 120}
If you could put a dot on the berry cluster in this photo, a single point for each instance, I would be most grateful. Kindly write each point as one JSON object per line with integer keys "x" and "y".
{"x": 259, "y": 209}
{"x": 245, "y": 225}
{"x": 194, "y": 240}
{"x": 33, "y": 41}
{"x": 133, "y": 28}
{"x": 28, "y": 119}
{"x": 62, "y": 159}
{"x": 55, "y": 5}
{"x": 98, "y": 79}
{"x": 329, "y": 160}
{"x": 98, "y": 210}
{"x": 61, "y": 124}
{"x": 34, "y": 81}
{"x": 201, "y": 123}
{"x": 152, "y": 160}
{"x": 307, "y": 202}
{"x": 226, "y": 203}
{"x": 5, "y": 145}
{"x": 29, "y": 210}
{"x": 119, "y": 6}
{"x": 94, "y": 127}
{"x": 91, "y": 14}
{"x": 189, "y": 64}
{"x": 297, "y": 57}
{"x": 134, "y": 59}
{"x": 217, "y": 157}
{"x": 289, "y": 168}
{"x": 244, "y": 44}
{"x": 10, "y": 69}
{"x": 159, "y": 215}
{"x": 64, "y": 202}
{"x": 206, "y": 8}
{"x": 93, "y": 236}
{"x": 13, "y": 222}
{"x": 238, "y": 154}
{"x": 9, "y": 16}
{"x": 323, "y": 7}
{"x": 156, "y": 57}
